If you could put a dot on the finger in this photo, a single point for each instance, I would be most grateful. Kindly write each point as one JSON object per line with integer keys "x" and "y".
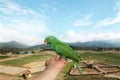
{"x": 63, "y": 60}
{"x": 57, "y": 57}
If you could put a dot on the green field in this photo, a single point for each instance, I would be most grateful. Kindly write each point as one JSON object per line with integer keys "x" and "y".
{"x": 96, "y": 56}
{"x": 25, "y": 60}
{"x": 107, "y": 57}
{"x": 104, "y": 57}
{"x": 64, "y": 76}
{"x": 3, "y": 57}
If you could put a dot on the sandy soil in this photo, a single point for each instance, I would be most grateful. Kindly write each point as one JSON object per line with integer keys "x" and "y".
{"x": 6, "y": 77}
{"x": 34, "y": 64}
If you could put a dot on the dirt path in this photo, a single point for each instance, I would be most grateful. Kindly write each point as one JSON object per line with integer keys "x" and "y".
{"x": 5, "y": 71}
{"x": 14, "y": 57}
{"x": 11, "y": 70}
{"x": 5, "y": 77}
{"x": 33, "y": 67}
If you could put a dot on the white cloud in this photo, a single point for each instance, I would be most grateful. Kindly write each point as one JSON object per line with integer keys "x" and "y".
{"x": 104, "y": 36}
{"x": 117, "y": 7}
{"x": 10, "y": 8}
{"x": 30, "y": 27}
{"x": 72, "y": 36}
{"x": 110, "y": 21}
{"x": 7, "y": 35}
{"x": 83, "y": 22}
{"x": 21, "y": 24}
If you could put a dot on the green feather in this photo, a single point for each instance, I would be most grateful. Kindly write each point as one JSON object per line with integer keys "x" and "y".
{"x": 78, "y": 67}
{"x": 64, "y": 50}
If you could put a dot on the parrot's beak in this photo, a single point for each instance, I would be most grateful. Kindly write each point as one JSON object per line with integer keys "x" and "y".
{"x": 45, "y": 42}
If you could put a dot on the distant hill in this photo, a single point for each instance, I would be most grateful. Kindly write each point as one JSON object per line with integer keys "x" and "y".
{"x": 12, "y": 44}
{"x": 116, "y": 42}
{"x": 40, "y": 46}
{"x": 99, "y": 43}
{"x": 93, "y": 44}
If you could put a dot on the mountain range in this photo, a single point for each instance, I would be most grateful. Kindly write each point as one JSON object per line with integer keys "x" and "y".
{"x": 12, "y": 44}
{"x": 96, "y": 43}
{"x": 103, "y": 44}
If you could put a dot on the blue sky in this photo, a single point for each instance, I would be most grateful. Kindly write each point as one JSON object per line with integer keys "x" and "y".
{"x": 30, "y": 21}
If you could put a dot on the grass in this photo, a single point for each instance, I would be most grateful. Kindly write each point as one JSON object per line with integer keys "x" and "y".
{"x": 65, "y": 71}
{"x": 3, "y": 57}
{"x": 25, "y": 60}
{"x": 96, "y": 56}
{"x": 65, "y": 76}
{"x": 98, "y": 77}
{"x": 102, "y": 57}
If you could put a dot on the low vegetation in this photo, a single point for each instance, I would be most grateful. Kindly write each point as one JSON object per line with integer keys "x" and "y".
{"x": 25, "y": 60}
{"x": 103, "y": 57}
{"x": 94, "y": 56}
{"x": 109, "y": 58}
{"x": 98, "y": 77}
{"x": 3, "y": 57}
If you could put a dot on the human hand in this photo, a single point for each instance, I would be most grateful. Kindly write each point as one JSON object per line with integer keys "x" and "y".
{"x": 53, "y": 67}
{"x": 56, "y": 63}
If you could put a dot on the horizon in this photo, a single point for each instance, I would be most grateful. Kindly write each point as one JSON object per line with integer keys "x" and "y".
{"x": 107, "y": 41}
{"x": 31, "y": 21}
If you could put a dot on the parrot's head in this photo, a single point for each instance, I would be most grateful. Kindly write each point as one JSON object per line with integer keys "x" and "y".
{"x": 50, "y": 40}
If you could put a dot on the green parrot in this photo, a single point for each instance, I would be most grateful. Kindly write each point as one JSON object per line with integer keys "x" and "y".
{"x": 64, "y": 50}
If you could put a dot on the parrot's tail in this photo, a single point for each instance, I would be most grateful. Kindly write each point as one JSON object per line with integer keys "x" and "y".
{"x": 78, "y": 67}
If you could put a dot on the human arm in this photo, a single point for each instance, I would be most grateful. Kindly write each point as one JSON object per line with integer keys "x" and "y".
{"x": 53, "y": 68}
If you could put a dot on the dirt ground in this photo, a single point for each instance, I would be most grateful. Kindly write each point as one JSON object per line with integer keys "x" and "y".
{"x": 98, "y": 68}
{"x": 6, "y": 77}
{"x": 14, "y": 57}
{"x": 34, "y": 64}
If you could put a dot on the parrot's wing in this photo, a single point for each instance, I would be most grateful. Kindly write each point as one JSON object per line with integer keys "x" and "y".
{"x": 67, "y": 52}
